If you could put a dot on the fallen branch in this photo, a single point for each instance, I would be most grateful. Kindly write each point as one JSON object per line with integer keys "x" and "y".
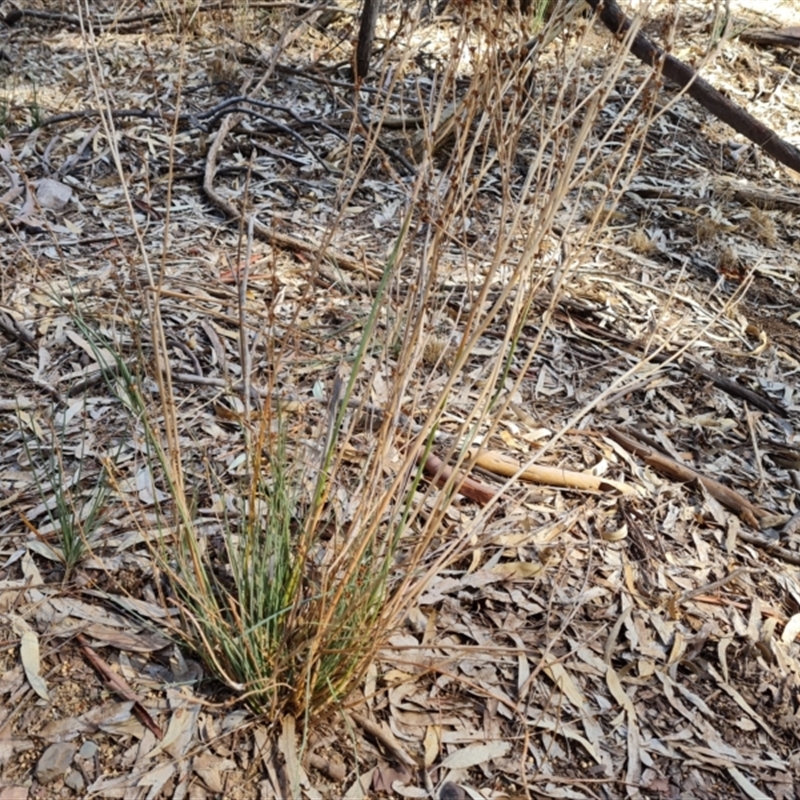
{"x": 688, "y": 365}
{"x": 385, "y": 737}
{"x": 773, "y": 37}
{"x": 279, "y": 240}
{"x": 763, "y": 198}
{"x": 727, "y": 385}
{"x": 701, "y": 90}
{"x": 734, "y": 389}
{"x": 118, "y": 684}
{"x": 753, "y": 515}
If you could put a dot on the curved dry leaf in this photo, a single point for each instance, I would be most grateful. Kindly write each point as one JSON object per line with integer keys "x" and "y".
{"x": 563, "y": 680}
{"x": 620, "y": 695}
{"x": 29, "y": 655}
{"x": 474, "y": 754}
{"x": 432, "y": 744}
{"x": 746, "y": 785}
{"x": 44, "y": 550}
{"x": 615, "y": 536}
{"x": 61, "y": 608}
{"x": 130, "y": 642}
{"x": 409, "y": 791}
{"x": 157, "y": 778}
{"x": 180, "y": 730}
{"x": 209, "y": 768}
{"x": 562, "y": 729}
{"x": 791, "y": 629}
{"x": 737, "y": 698}
{"x": 109, "y": 715}
{"x": 29, "y": 652}
{"x": 691, "y": 696}
{"x": 359, "y": 789}
{"x": 523, "y": 667}
{"x": 517, "y": 570}
{"x": 287, "y": 744}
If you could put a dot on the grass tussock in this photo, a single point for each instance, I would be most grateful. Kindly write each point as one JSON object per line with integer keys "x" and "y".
{"x": 74, "y": 499}
{"x": 290, "y": 567}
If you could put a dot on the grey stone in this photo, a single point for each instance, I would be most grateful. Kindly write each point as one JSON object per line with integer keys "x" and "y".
{"x": 88, "y": 749}
{"x": 54, "y": 762}
{"x": 75, "y": 781}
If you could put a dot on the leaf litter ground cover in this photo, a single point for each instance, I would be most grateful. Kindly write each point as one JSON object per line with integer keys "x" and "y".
{"x": 633, "y": 639}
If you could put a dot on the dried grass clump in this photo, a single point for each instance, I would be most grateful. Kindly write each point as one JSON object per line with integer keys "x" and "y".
{"x": 729, "y": 263}
{"x": 640, "y": 242}
{"x": 309, "y": 560}
{"x": 761, "y": 225}
{"x": 706, "y": 230}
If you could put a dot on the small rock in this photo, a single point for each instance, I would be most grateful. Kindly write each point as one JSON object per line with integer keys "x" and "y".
{"x": 52, "y": 194}
{"x": 88, "y": 749}
{"x": 452, "y": 791}
{"x": 54, "y": 762}
{"x": 75, "y": 781}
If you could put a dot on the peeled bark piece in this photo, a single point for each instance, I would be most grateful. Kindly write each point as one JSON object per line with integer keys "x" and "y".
{"x": 440, "y": 473}
{"x": 501, "y": 464}
{"x": 701, "y": 90}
